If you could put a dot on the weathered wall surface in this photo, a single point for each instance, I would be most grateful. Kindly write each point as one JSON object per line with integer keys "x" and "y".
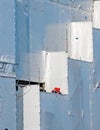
{"x": 7, "y": 104}
{"x": 46, "y": 27}
{"x": 7, "y": 66}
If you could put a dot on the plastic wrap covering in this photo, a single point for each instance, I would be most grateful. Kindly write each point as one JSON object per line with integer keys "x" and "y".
{"x": 80, "y": 44}
{"x": 35, "y": 21}
{"x": 56, "y": 37}
{"x": 28, "y": 108}
{"x": 96, "y": 15}
{"x": 56, "y": 72}
{"x": 31, "y": 67}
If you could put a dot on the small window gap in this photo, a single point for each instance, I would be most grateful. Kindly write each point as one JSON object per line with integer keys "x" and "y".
{"x": 23, "y": 83}
{"x": 16, "y": 88}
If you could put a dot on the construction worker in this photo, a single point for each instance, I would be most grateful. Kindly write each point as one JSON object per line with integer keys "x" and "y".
{"x": 56, "y": 90}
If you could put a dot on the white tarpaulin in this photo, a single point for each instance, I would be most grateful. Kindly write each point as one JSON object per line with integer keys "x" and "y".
{"x": 56, "y": 72}
{"x": 80, "y": 44}
{"x": 96, "y": 15}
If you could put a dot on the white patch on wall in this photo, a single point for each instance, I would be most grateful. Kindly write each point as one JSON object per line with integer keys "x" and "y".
{"x": 80, "y": 43}
{"x": 29, "y": 115}
{"x": 55, "y": 39}
{"x": 96, "y": 15}
{"x": 31, "y": 108}
{"x": 56, "y": 73}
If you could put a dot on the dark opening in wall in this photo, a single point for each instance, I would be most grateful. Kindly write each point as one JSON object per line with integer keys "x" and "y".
{"x": 6, "y": 129}
{"x": 23, "y": 83}
{"x": 16, "y": 88}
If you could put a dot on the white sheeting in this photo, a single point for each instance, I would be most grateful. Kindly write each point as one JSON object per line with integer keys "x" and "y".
{"x": 96, "y": 15}
{"x": 80, "y": 44}
{"x": 56, "y": 72}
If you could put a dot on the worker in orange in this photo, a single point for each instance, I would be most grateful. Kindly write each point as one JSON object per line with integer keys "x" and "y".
{"x": 56, "y": 90}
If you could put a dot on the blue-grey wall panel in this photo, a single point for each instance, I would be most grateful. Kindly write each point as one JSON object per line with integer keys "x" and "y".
{"x": 96, "y": 92}
{"x": 96, "y": 46}
{"x": 54, "y": 112}
{"x": 80, "y": 91}
{"x": 37, "y": 25}
{"x": 74, "y": 92}
{"x": 7, "y": 28}
{"x": 32, "y": 19}
{"x": 7, "y": 104}
{"x": 22, "y": 36}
